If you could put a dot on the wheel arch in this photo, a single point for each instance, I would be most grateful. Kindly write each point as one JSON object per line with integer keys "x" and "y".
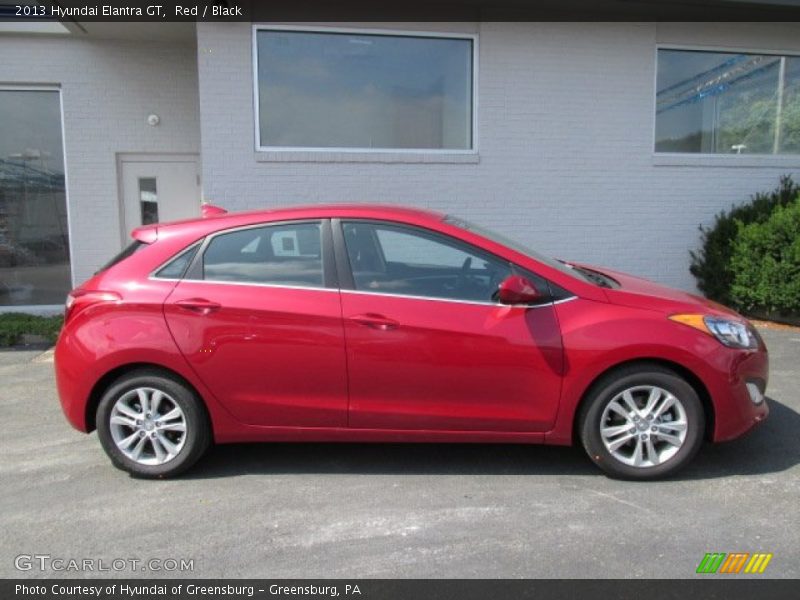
{"x": 679, "y": 369}
{"x": 108, "y": 379}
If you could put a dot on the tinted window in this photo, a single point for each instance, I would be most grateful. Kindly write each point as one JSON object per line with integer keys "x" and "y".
{"x": 412, "y": 262}
{"x": 34, "y": 240}
{"x": 288, "y": 254}
{"x": 177, "y": 266}
{"x": 129, "y": 250}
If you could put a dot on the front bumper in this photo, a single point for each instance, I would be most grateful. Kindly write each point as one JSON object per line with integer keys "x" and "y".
{"x": 737, "y": 391}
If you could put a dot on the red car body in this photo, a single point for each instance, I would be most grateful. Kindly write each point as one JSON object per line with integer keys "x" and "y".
{"x": 334, "y": 364}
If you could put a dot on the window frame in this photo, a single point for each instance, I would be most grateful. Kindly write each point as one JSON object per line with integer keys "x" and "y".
{"x": 299, "y": 150}
{"x": 347, "y": 282}
{"x": 50, "y": 87}
{"x": 330, "y": 280}
{"x": 709, "y": 159}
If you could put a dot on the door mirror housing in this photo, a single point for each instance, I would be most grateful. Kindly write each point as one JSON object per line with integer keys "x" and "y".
{"x": 516, "y": 289}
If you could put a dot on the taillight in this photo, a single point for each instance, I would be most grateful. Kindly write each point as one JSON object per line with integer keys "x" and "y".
{"x": 79, "y": 299}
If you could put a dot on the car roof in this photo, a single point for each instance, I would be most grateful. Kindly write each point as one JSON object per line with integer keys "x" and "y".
{"x": 215, "y": 222}
{"x": 177, "y": 234}
{"x": 334, "y": 210}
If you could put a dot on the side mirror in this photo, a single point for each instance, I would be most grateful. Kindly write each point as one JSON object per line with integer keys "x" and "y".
{"x": 515, "y": 289}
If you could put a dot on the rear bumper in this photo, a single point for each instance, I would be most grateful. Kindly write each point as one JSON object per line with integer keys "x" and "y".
{"x": 72, "y": 383}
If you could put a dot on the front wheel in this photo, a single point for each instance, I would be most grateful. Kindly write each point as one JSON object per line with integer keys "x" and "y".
{"x": 642, "y": 422}
{"x": 152, "y": 425}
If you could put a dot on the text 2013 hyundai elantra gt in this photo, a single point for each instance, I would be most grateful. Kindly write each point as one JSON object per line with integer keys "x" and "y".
{"x": 370, "y": 323}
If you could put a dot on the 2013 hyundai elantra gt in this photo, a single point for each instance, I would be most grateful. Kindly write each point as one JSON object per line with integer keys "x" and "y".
{"x": 371, "y": 323}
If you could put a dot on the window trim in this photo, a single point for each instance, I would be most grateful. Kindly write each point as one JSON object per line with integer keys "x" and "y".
{"x": 457, "y": 301}
{"x": 194, "y": 272}
{"x": 711, "y": 159}
{"x": 300, "y": 150}
{"x": 51, "y": 87}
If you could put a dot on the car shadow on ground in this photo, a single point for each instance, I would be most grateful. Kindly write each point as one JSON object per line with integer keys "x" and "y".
{"x": 771, "y": 448}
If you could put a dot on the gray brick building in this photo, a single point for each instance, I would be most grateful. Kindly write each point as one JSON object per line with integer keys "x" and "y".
{"x": 606, "y": 143}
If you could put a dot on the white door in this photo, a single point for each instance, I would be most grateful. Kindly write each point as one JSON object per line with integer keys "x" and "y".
{"x": 158, "y": 189}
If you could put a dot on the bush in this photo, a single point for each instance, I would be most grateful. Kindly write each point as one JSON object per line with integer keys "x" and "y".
{"x": 14, "y": 325}
{"x": 711, "y": 265}
{"x": 766, "y": 263}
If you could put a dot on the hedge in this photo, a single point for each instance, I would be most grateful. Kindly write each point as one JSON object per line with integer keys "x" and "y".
{"x": 765, "y": 261}
{"x": 711, "y": 265}
{"x": 14, "y": 325}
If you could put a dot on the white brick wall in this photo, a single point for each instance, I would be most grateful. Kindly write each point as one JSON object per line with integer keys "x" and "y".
{"x": 108, "y": 89}
{"x": 565, "y": 139}
{"x": 565, "y": 127}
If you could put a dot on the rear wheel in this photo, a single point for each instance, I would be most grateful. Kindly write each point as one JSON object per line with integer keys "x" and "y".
{"x": 152, "y": 425}
{"x": 642, "y": 422}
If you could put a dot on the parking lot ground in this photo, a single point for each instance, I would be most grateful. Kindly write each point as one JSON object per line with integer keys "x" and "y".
{"x": 363, "y": 511}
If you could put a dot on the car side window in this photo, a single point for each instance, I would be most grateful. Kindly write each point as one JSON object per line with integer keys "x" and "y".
{"x": 176, "y": 268}
{"x": 409, "y": 261}
{"x": 286, "y": 254}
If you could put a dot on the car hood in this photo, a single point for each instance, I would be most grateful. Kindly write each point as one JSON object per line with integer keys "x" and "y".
{"x": 637, "y": 292}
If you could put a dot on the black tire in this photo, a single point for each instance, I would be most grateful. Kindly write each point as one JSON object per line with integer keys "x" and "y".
{"x": 197, "y": 435}
{"x": 616, "y": 382}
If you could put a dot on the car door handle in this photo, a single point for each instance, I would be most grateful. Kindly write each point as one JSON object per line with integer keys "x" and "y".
{"x": 198, "y": 305}
{"x": 375, "y": 321}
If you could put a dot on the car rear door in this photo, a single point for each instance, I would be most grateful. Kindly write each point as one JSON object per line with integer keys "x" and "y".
{"x": 427, "y": 346}
{"x": 258, "y": 318}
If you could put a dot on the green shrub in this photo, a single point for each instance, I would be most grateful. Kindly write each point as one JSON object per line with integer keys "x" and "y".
{"x": 711, "y": 265}
{"x": 14, "y": 325}
{"x": 765, "y": 261}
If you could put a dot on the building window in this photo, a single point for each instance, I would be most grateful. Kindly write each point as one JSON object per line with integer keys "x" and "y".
{"x": 34, "y": 241}
{"x": 148, "y": 200}
{"x": 357, "y": 91}
{"x": 727, "y": 103}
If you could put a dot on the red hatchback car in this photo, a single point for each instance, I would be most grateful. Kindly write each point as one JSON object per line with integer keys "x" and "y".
{"x": 371, "y": 323}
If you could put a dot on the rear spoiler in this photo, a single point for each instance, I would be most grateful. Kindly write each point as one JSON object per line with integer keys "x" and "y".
{"x": 149, "y": 233}
{"x": 209, "y": 210}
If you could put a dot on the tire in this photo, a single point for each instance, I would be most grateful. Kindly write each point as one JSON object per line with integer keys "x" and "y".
{"x": 171, "y": 432}
{"x": 642, "y": 444}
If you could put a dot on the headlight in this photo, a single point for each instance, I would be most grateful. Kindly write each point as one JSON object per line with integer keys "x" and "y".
{"x": 734, "y": 334}
{"x": 730, "y": 332}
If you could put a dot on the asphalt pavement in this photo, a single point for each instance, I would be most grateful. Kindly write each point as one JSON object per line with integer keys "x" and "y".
{"x": 385, "y": 511}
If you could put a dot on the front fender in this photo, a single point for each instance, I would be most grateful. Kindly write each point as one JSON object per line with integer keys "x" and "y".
{"x": 599, "y": 337}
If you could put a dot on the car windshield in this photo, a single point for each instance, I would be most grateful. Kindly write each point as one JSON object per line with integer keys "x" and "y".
{"x": 517, "y": 246}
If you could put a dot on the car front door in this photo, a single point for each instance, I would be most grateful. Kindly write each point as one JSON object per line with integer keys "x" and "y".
{"x": 258, "y": 318}
{"x": 428, "y": 347}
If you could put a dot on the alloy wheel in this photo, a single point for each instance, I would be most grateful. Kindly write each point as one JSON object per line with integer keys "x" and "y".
{"x": 148, "y": 426}
{"x": 644, "y": 426}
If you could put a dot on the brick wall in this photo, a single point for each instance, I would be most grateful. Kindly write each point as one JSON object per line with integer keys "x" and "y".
{"x": 108, "y": 89}
{"x": 565, "y": 135}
